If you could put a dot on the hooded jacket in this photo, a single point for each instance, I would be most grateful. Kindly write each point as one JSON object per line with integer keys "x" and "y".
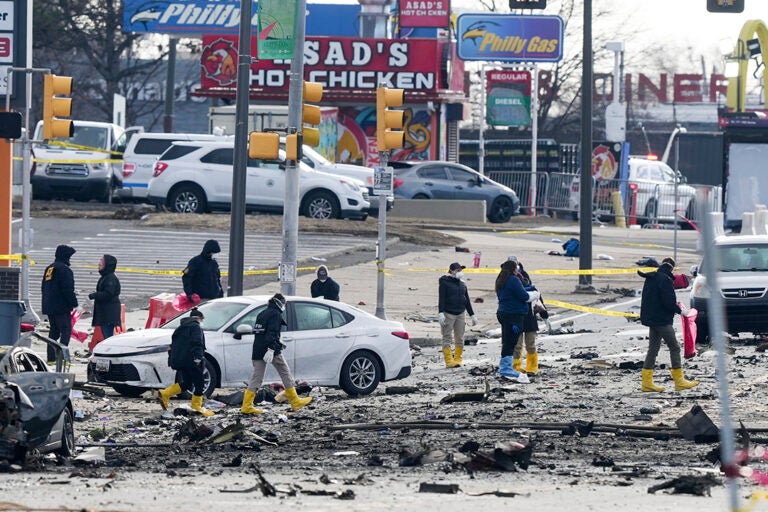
{"x": 453, "y": 297}
{"x": 328, "y": 289}
{"x": 106, "y": 299}
{"x": 58, "y": 285}
{"x": 187, "y": 344}
{"x": 266, "y": 331}
{"x": 512, "y": 297}
{"x": 202, "y": 275}
{"x": 658, "y": 304}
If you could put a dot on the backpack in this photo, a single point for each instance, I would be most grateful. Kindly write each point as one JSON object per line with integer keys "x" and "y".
{"x": 571, "y": 247}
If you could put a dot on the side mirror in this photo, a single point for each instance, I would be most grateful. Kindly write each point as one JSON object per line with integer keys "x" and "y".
{"x": 242, "y": 329}
{"x": 681, "y": 178}
{"x": 694, "y": 270}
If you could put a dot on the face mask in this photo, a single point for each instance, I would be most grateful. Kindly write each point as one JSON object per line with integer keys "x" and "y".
{"x": 323, "y": 279}
{"x": 214, "y": 256}
{"x": 459, "y": 275}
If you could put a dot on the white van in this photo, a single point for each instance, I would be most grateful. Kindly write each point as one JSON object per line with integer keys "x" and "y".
{"x": 140, "y": 156}
{"x": 79, "y": 166}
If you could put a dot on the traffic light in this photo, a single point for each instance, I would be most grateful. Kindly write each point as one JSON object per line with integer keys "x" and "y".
{"x": 263, "y": 145}
{"x": 386, "y": 119}
{"x": 55, "y": 107}
{"x": 310, "y": 114}
{"x": 725, "y": 5}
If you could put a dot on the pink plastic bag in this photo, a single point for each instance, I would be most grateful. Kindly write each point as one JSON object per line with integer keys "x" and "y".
{"x": 78, "y": 335}
{"x": 181, "y": 303}
{"x": 689, "y": 332}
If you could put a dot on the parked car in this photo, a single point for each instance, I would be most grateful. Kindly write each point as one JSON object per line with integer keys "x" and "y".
{"x": 317, "y": 161}
{"x": 448, "y": 180}
{"x": 327, "y": 343}
{"x": 36, "y": 409}
{"x": 80, "y": 166}
{"x": 743, "y": 282}
{"x": 140, "y": 155}
{"x": 651, "y": 184}
{"x": 196, "y": 177}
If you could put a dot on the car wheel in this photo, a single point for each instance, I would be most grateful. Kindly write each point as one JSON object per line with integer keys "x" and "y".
{"x": 650, "y": 212}
{"x": 210, "y": 378}
{"x": 321, "y": 205}
{"x": 421, "y": 196}
{"x": 128, "y": 391}
{"x": 501, "y": 209}
{"x": 67, "y": 448}
{"x": 360, "y": 373}
{"x": 187, "y": 198}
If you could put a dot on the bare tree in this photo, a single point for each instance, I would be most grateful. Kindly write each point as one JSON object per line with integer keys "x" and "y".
{"x": 85, "y": 39}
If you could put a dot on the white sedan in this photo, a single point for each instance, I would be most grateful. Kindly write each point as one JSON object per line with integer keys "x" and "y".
{"x": 327, "y": 343}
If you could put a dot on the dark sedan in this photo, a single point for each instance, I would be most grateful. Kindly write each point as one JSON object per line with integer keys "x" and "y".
{"x": 448, "y": 180}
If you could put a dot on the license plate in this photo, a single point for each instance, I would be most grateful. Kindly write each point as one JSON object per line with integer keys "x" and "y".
{"x": 102, "y": 365}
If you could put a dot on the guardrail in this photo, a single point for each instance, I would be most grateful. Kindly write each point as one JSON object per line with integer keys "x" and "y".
{"x": 643, "y": 203}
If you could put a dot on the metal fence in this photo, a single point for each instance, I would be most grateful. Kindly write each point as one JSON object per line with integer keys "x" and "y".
{"x": 643, "y": 203}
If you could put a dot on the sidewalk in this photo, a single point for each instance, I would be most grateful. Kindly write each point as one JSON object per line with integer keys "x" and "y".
{"x": 411, "y": 279}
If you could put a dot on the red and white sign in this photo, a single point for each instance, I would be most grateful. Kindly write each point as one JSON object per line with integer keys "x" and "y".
{"x": 425, "y": 13}
{"x": 6, "y": 48}
{"x": 337, "y": 63}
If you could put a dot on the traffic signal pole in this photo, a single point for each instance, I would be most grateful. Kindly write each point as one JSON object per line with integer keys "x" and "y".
{"x": 291, "y": 203}
{"x": 381, "y": 246}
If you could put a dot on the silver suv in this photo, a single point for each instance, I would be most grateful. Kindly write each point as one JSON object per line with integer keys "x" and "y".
{"x": 743, "y": 281}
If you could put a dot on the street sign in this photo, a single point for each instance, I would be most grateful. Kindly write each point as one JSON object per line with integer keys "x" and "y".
{"x": 383, "y": 181}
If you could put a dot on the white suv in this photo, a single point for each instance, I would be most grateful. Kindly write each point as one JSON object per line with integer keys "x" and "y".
{"x": 196, "y": 177}
{"x": 140, "y": 155}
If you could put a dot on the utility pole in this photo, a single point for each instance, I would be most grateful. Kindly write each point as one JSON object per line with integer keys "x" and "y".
{"x": 291, "y": 209}
{"x": 237, "y": 216}
{"x": 585, "y": 198}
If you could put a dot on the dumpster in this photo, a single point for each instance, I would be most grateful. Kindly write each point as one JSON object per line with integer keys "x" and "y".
{"x": 11, "y": 312}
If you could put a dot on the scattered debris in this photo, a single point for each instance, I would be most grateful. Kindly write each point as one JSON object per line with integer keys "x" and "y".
{"x": 696, "y": 426}
{"x": 401, "y": 390}
{"x": 193, "y": 431}
{"x": 696, "y": 485}
{"x": 439, "y": 488}
{"x": 585, "y": 355}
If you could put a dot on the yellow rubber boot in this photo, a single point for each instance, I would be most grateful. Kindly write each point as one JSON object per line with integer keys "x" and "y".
{"x": 296, "y": 402}
{"x": 680, "y": 382}
{"x": 248, "y": 407}
{"x": 449, "y": 361}
{"x": 197, "y": 405}
{"x": 458, "y": 352}
{"x": 532, "y": 363}
{"x": 517, "y": 364}
{"x": 164, "y": 395}
{"x": 280, "y": 397}
{"x": 648, "y": 384}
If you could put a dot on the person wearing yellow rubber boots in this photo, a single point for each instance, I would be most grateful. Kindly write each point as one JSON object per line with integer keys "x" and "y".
{"x": 657, "y": 310}
{"x": 267, "y": 349}
{"x": 453, "y": 301}
{"x": 527, "y": 338}
{"x": 187, "y": 357}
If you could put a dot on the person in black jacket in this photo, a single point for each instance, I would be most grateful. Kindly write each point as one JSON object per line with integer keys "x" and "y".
{"x": 187, "y": 357}
{"x": 657, "y": 310}
{"x": 527, "y": 338}
{"x": 267, "y": 349}
{"x": 59, "y": 298}
{"x": 324, "y": 286}
{"x": 106, "y": 298}
{"x": 453, "y": 301}
{"x": 202, "y": 276}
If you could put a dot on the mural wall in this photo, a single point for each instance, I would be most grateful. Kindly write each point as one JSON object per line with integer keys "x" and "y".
{"x": 357, "y": 136}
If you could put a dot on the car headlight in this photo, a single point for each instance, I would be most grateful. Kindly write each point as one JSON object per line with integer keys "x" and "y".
{"x": 350, "y": 186}
{"x": 700, "y": 289}
{"x": 141, "y": 352}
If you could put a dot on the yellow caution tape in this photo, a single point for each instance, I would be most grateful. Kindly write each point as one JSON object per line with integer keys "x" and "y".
{"x": 575, "y": 272}
{"x": 588, "y": 309}
{"x": 16, "y": 257}
{"x": 76, "y": 160}
{"x": 129, "y": 270}
{"x": 78, "y": 147}
{"x": 533, "y": 232}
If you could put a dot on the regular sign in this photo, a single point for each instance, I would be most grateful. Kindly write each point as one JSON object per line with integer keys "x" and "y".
{"x": 509, "y": 98}
{"x": 510, "y": 38}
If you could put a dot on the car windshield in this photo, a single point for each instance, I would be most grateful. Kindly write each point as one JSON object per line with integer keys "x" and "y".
{"x": 316, "y": 156}
{"x": 744, "y": 258}
{"x": 217, "y": 314}
{"x": 88, "y": 136}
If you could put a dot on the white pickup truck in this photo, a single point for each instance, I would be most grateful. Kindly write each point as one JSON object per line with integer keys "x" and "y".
{"x": 84, "y": 166}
